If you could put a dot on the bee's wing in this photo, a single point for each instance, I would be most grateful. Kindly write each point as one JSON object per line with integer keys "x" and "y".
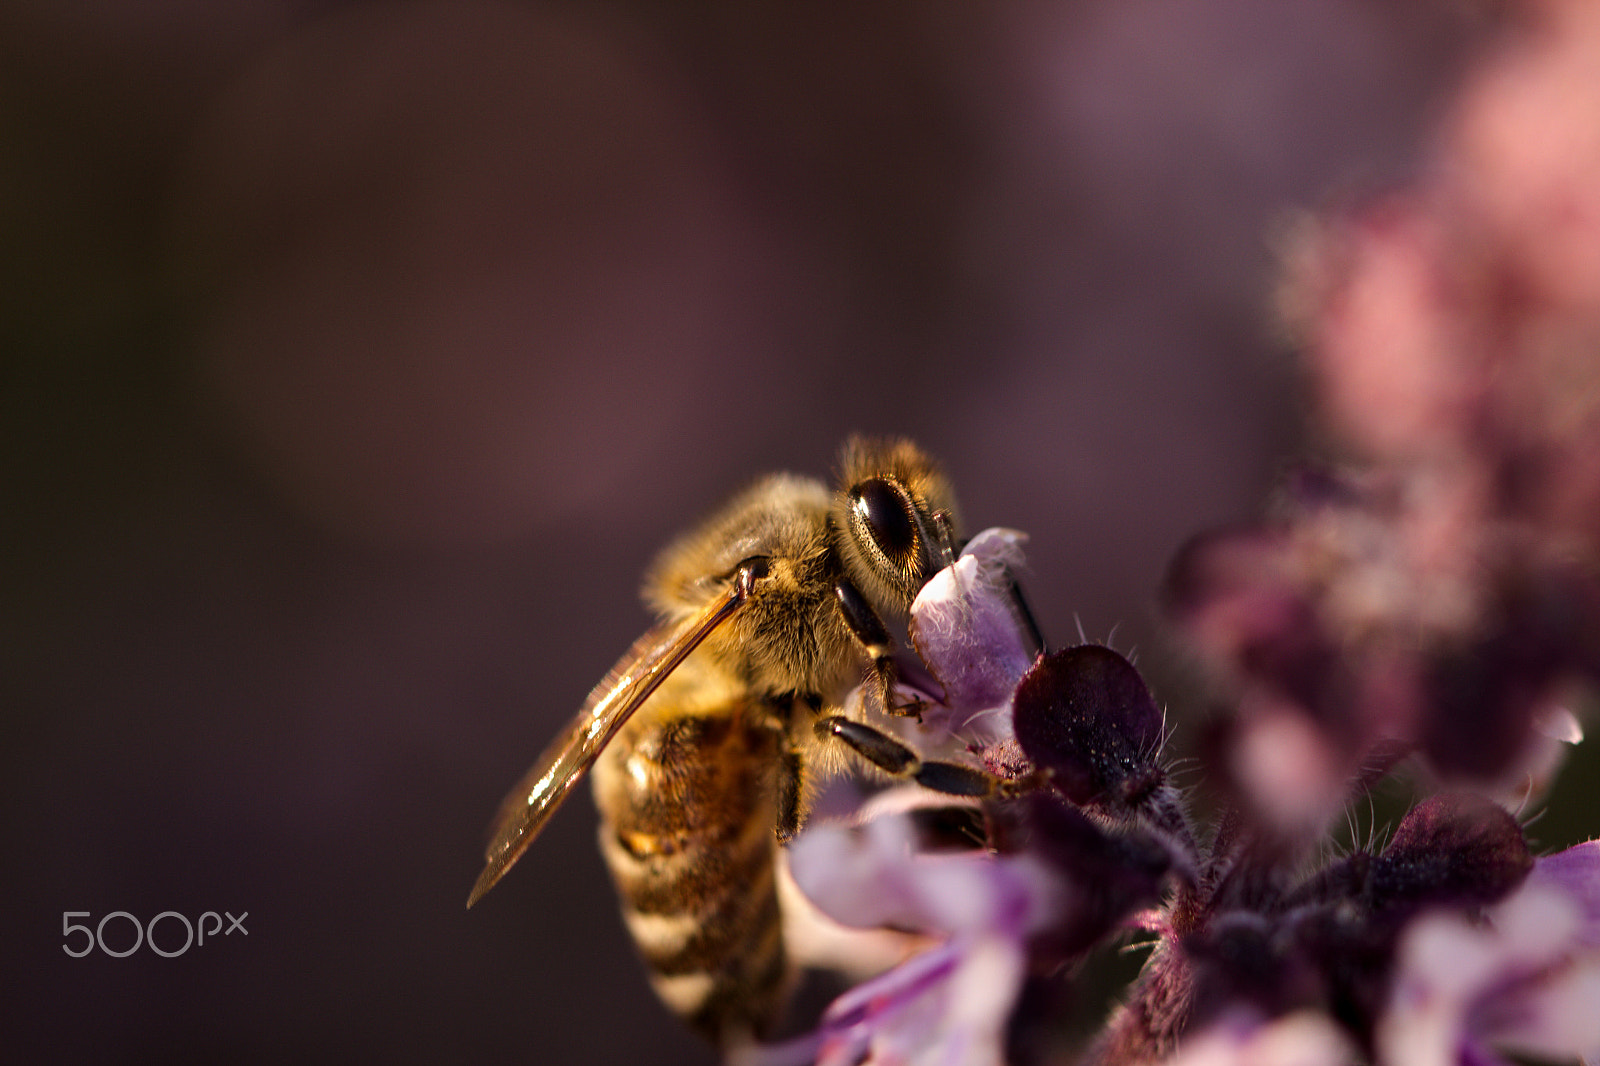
{"x": 528, "y": 806}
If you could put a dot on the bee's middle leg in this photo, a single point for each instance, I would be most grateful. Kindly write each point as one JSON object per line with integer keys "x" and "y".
{"x": 893, "y": 757}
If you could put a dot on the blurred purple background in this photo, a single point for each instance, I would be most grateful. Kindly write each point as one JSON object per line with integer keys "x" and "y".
{"x": 357, "y": 359}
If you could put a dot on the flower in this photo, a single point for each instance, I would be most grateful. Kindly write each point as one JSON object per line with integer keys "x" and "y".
{"x": 988, "y": 913}
{"x": 1423, "y": 599}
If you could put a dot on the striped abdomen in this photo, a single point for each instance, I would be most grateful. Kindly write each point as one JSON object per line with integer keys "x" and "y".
{"x": 688, "y": 805}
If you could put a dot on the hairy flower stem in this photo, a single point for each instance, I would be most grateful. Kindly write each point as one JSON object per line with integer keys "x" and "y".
{"x": 1164, "y": 811}
{"x": 1146, "y": 1028}
{"x": 1160, "y": 1003}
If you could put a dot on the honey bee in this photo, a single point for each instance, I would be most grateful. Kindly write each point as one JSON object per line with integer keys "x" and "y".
{"x": 707, "y": 733}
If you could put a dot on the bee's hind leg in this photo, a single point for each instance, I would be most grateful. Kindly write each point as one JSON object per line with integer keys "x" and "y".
{"x": 791, "y": 798}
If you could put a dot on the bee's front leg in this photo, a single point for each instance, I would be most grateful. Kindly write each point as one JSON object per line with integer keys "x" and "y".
{"x": 868, "y": 628}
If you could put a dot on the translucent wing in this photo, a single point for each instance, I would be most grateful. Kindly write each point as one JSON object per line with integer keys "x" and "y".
{"x": 613, "y": 701}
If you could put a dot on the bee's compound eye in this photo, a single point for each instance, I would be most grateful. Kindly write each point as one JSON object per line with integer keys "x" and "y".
{"x": 885, "y": 512}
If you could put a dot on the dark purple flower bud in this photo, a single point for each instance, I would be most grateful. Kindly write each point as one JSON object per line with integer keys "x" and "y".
{"x": 1335, "y": 883}
{"x": 1085, "y": 715}
{"x": 1454, "y": 849}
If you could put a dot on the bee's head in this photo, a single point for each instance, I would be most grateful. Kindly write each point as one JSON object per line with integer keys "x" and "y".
{"x": 896, "y": 517}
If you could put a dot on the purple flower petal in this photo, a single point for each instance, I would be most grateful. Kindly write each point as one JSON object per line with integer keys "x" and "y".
{"x": 870, "y": 877}
{"x": 965, "y": 624}
{"x": 951, "y": 1003}
{"x": 1576, "y": 872}
{"x": 947, "y": 1007}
